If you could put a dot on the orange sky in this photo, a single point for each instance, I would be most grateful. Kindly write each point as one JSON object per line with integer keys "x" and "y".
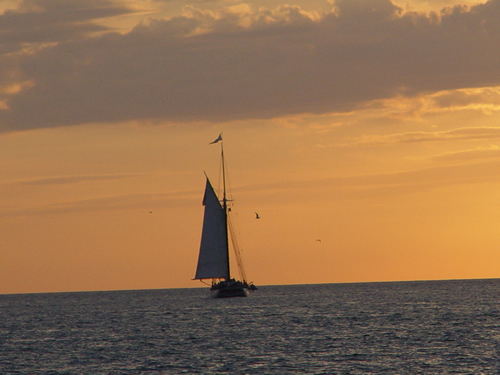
{"x": 373, "y": 126}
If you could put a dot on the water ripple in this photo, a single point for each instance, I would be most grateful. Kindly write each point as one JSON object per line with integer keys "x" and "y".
{"x": 378, "y": 328}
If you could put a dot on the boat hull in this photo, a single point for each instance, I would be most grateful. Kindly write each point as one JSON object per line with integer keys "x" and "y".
{"x": 228, "y": 289}
{"x": 230, "y": 292}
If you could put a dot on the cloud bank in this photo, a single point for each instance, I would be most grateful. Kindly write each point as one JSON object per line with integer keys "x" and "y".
{"x": 60, "y": 67}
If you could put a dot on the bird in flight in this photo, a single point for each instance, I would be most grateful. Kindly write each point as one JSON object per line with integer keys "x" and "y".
{"x": 257, "y": 216}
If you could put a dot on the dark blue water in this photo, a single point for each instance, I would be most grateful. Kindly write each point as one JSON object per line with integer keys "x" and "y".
{"x": 434, "y": 327}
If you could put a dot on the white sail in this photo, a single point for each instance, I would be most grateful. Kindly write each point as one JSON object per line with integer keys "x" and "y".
{"x": 213, "y": 259}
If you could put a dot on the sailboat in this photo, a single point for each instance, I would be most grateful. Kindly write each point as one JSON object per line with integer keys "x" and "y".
{"x": 213, "y": 260}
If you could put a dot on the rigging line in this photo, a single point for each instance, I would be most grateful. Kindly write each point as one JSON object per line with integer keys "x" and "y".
{"x": 236, "y": 250}
{"x": 232, "y": 223}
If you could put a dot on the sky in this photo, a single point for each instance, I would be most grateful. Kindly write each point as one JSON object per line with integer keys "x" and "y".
{"x": 372, "y": 125}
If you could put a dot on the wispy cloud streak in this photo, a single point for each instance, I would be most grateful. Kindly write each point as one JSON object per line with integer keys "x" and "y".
{"x": 145, "y": 201}
{"x": 65, "y": 180}
{"x": 461, "y": 134}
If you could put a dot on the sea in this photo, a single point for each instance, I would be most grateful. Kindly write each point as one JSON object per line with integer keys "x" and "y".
{"x": 424, "y": 327}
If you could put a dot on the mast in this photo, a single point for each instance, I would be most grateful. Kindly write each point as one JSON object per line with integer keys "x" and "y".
{"x": 224, "y": 205}
{"x": 213, "y": 259}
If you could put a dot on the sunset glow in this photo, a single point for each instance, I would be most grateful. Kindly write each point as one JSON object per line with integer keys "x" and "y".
{"x": 369, "y": 124}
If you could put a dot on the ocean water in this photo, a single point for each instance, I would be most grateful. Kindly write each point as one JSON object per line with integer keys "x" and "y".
{"x": 431, "y": 327}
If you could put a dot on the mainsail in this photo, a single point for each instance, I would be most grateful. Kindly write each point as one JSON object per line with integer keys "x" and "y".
{"x": 213, "y": 260}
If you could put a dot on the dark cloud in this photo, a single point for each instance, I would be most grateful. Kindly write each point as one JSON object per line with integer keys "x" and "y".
{"x": 237, "y": 63}
{"x": 487, "y": 97}
{"x": 51, "y": 21}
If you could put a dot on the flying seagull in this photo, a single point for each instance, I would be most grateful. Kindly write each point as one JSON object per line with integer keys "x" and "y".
{"x": 257, "y": 216}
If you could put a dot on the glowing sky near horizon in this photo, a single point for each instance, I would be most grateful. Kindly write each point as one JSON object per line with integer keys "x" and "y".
{"x": 370, "y": 124}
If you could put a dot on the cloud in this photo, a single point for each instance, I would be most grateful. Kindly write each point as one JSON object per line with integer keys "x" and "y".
{"x": 483, "y": 100}
{"x": 238, "y": 63}
{"x": 55, "y": 205}
{"x": 383, "y": 185}
{"x": 486, "y": 100}
{"x": 430, "y": 178}
{"x": 38, "y": 22}
{"x": 65, "y": 180}
{"x": 145, "y": 201}
{"x": 461, "y": 134}
{"x": 360, "y": 187}
{"x": 469, "y": 155}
